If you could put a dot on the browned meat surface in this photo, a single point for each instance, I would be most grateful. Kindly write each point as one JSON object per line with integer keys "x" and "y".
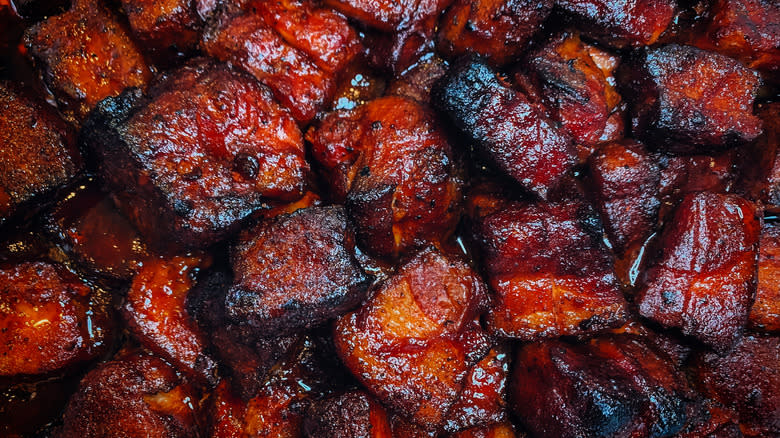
{"x": 353, "y": 414}
{"x": 38, "y": 153}
{"x": 412, "y": 344}
{"x": 85, "y": 55}
{"x": 500, "y": 430}
{"x": 392, "y": 164}
{"x": 681, "y": 175}
{"x": 417, "y": 81}
{"x": 509, "y": 130}
{"x": 295, "y": 272}
{"x": 50, "y": 320}
{"x": 205, "y": 150}
{"x": 165, "y": 28}
{"x": 685, "y": 99}
{"x": 765, "y": 313}
{"x": 760, "y": 168}
{"x": 703, "y": 277}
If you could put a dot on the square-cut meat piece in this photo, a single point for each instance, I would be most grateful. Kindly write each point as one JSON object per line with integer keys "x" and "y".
{"x": 38, "y": 153}
{"x": 295, "y": 272}
{"x": 85, "y": 55}
{"x": 50, "y": 320}
{"x": 353, "y": 414}
{"x": 765, "y": 313}
{"x": 413, "y": 343}
{"x": 495, "y": 29}
{"x": 391, "y": 163}
{"x": 550, "y": 272}
{"x": 621, "y": 23}
{"x": 685, "y": 99}
{"x": 702, "y": 280}
{"x": 166, "y": 28}
{"x": 509, "y": 130}
{"x": 206, "y": 149}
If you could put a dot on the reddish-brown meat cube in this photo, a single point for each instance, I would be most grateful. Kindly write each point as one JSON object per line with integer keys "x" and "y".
{"x": 417, "y": 81}
{"x": 353, "y": 414}
{"x": 512, "y": 132}
{"x": 702, "y": 280}
{"x": 85, "y": 55}
{"x": 204, "y": 151}
{"x": 685, "y": 99}
{"x": 681, "y": 175}
{"x": 165, "y": 28}
{"x": 765, "y": 313}
{"x": 50, "y": 320}
{"x": 414, "y": 341}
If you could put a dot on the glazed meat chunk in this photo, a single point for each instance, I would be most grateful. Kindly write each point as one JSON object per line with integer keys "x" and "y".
{"x": 765, "y": 313}
{"x": 549, "y": 270}
{"x": 495, "y": 29}
{"x": 621, "y": 23}
{"x": 296, "y": 272}
{"x": 204, "y": 151}
{"x": 85, "y": 55}
{"x": 164, "y": 28}
{"x": 392, "y": 164}
{"x": 137, "y": 394}
{"x": 509, "y": 130}
{"x": 703, "y": 277}
{"x": 413, "y": 343}
{"x": 760, "y": 169}
{"x": 50, "y": 320}
{"x": 686, "y": 99}
{"x": 353, "y": 414}
{"x": 293, "y": 46}
{"x": 38, "y": 153}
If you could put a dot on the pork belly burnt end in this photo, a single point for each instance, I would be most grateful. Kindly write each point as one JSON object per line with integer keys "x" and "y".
{"x": 765, "y": 312}
{"x": 135, "y": 393}
{"x": 295, "y": 272}
{"x": 703, "y": 277}
{"x": 294, "y": 47}
{"x": 685, "y": 99}
{"x": 760, "y": 169}
{"x": 413, "y": 343}
{"x": 620, "y": 23}
{"x": 514, "y": 134}
{"x": 497, "y": 30}
{"x": 50, "y": 319}
{"x": 353, "y": 414}
{"x": 205, "y": 150}
{"x": 393, "y": 166}
{"x": 549, "y": 270}
{"x": 165, "y": 28}
{"x": 39, "y": 151}
{"x": 85, "y": 55}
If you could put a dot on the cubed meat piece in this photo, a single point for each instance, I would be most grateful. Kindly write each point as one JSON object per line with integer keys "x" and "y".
{"x": 293, "y": 46}
{"x": 413, "y": 343}
{"x": 38, "y": 153}
{"x": 495, "y": 29}
{"x": 681, "y": 175}
{"x": 609, "y": 386}
{"x": 499, "y": 430}
{"x": 156, "y": 314}
{"x": 85, "y": 55}
{"x": 353, "y": 414}
{"x": 136, "y": 395}
{"x": 549, "y": 269}
{"x": 417, "y": 81}
{"x": 625, "y": 182}
{"x": 765, "y": 313}
{"x": 702, "y": 280}
{"x": 295, "y": 272}
{"x": 392, "y": 164}
{"x": 747, "y": 380}
{"x": 205, "y": 150}
{"x": 684, "y": 99}
{"x": 578, "y": 87}
{"x": 620, "y": 23}
{"x": 165, "y": 28}
{"x": 50, "y": 320}
{"x": 760, "y": 168}
{"x": 509, "y": 130}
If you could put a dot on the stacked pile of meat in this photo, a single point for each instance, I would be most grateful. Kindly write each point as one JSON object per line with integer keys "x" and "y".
{"x": 389, "y": 218}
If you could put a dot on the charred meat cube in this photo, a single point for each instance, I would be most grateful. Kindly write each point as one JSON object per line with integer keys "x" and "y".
{"x": 703, "y": 277}
{"x": 549, "y": 270}
{"x": 204, "y": 151}
{"x": 135, "y": 395}
{"x": 759, "y": 179}
{"x": 50, "y": 319}
{"x": 353, "y": 414}
{"x": 620, "y": 23}
{"x": 85, "y": 55}
{"x": 294, "y": 47}
{"x": 295, "y": 272}
{"x": 509, "y": 130}
{"x": 38, "y": 153}
{"x": 412, "y": 344}
{"x": 765, "y": 313}
{"x": 417, "y": 81}
{"x": 685, "y": 99}
{"x": 165, "y": 28}
{"x": 392, "y": 164}
{"x": 495, "y": 29}
{"x": 747, "y": 380}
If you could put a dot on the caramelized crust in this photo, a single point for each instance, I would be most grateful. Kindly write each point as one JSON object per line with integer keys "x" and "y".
{"x": 165, "y": 28}
{"x": 418, "y": 80}
{"x": 702, "y": 280}
{"x": 353, "y": 414}
{"x": 765, "y": 313}
{"x": 760, "y": 168}
{"x": 85, "y": 55}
